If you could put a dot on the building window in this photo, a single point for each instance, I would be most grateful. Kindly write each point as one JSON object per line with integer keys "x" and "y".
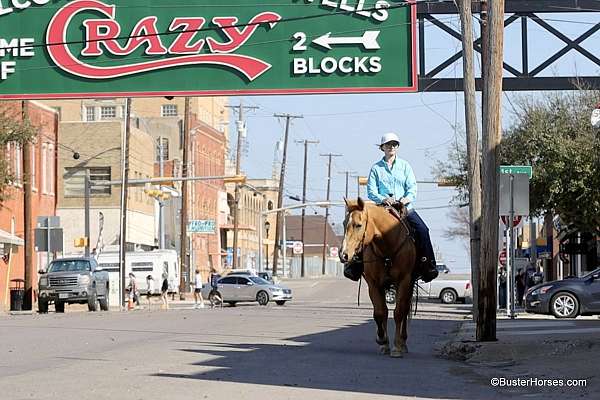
{"x": 100, "y": 174}
{"x": 165, "y": 149}
{"x": 33, "y": 166}
{"x": 90, "y": 113}
{"x": 44, "y": 165}
{"x": 74, "y": 181}
{"x": 50, "y": 169}
{"x": 108, "y": 112}
{"x": 168, "y": 110}
{"x": 18, "y": 164}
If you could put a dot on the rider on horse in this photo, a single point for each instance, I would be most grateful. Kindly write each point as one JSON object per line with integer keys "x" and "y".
{"x": 392, "y": 180}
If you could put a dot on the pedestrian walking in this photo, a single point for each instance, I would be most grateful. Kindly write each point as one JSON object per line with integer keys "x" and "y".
{"x": 214, "y": 297}
{"x": 198, "y": 300}
{"x": 502, "y": 287}
{"x": 149, "y": 289}
{"x": 520, "y": 285}
{"x": 164, "y": 289}
{"x": 132, "y": 291}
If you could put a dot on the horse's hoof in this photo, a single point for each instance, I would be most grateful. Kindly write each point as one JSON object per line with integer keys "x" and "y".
{"x": 384, "y": 349}
{"x": 399, "y": 352}
{"x": 396, "y": 354}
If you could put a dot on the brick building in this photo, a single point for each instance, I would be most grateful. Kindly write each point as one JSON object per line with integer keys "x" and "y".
{"x": 103, "y": 159}
{"x": 43, "y": 199}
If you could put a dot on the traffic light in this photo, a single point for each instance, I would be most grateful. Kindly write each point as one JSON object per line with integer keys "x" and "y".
{"x": 80, "y": 242}
{"x": 235, "y": 179}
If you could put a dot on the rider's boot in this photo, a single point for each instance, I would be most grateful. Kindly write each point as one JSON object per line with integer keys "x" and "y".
{"x": 428, "y": 270}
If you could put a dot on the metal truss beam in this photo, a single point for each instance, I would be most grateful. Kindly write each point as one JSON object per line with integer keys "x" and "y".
{"x": 523, "y": 78}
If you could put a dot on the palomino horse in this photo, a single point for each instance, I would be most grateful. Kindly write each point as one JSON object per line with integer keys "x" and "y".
{"x": 389, "y": 255}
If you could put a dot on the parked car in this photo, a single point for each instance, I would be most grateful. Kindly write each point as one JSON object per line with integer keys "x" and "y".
{"x": 235, "y": 288}
{"x": 449, "y": 289}
{"x": 566, "y": 298}
{"x": 73, "y": 280}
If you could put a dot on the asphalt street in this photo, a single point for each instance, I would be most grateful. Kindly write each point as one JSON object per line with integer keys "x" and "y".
{"x": 319, "y": 346}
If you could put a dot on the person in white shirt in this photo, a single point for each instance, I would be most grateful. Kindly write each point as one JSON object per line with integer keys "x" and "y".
{"x": 150, "y": 289}
{"x": 198, "y": 300}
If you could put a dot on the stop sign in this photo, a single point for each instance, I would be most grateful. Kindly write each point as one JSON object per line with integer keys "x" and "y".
{"x": 333, "y": 251}
{"x": 298, "y": 247}
{"x": 502, "y": 257}
{"x": 516, "y": 221}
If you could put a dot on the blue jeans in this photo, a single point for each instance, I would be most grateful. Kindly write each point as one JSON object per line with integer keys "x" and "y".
{"x": 423, "y": 241}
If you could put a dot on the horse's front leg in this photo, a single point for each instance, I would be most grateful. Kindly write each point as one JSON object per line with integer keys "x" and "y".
{"x": 380, "y": 314}
{"x": 403, "y": 299}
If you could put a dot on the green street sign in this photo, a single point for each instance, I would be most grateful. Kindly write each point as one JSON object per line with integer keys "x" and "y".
{"x": 201, "y": 226}
{"x": 118, "y": 48}
{"x": 516, "y": 169}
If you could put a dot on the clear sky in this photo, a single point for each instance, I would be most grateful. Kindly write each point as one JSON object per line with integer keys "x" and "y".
{"x": 426, "y": 123}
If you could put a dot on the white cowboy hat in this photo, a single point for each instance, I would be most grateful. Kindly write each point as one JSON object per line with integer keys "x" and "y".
{"x": 389, "y": 137}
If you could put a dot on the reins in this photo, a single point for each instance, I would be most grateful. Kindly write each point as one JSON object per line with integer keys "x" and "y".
{"x": 378, "y": 254}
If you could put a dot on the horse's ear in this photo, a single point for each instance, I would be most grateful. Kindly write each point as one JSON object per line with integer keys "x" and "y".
{"x": 346, "y": 201}
{"x": 361, "y": 204}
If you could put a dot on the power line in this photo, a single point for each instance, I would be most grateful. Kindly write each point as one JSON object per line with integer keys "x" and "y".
{"x": 217, "y": 28}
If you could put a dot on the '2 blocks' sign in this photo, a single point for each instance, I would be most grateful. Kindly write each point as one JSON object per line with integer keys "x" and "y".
{"x": 104, "y": 48}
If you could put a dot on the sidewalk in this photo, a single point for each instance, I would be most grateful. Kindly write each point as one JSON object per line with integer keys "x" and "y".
{"x": 531, "y": 346}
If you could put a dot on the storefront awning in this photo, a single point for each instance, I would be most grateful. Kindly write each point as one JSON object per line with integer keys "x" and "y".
{"x": 240, "y": 227}
{"x": 9, "y": 238}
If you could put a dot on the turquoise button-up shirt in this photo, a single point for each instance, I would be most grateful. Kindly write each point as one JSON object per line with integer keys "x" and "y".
{"x": 399, "y": 181}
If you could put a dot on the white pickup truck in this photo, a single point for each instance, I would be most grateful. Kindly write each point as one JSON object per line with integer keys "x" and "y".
{"x": 447, "y": 287}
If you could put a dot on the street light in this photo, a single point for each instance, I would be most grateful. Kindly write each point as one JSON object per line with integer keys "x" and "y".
{"x": 267, "y": 227}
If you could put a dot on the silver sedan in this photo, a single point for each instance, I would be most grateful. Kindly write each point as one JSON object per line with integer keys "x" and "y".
{"x": 237, "y": 288}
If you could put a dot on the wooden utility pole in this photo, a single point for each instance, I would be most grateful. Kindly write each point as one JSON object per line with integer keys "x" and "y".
{"x": 329, "y": 156}
{"x": 238, "y": 167}
{"x": 347, "y": 173}
{"x": 28, "y": 271}
{"x": 474, "y": 170}
{"x": 288, "y": 118}
{"x": 306, "y": 143}
{"x": 183, "y": 237}
{"x": 486, "y": 323}
{"x": 124, "y": 188}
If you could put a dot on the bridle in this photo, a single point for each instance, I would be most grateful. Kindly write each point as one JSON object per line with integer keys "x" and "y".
{"x": 378, "y": 254}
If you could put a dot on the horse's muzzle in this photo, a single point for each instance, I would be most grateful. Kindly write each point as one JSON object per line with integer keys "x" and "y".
{"x": 344, "y": 257}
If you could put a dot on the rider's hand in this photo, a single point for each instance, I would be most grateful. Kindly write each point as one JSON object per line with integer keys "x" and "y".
{"x": 404, "y": 201}
{"x": 389, "y": 201}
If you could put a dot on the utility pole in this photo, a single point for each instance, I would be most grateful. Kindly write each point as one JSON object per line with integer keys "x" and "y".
{"x": 329, "y": 156}
{"x": 486, "y": 323}
{"x": 183, "y": 237}
{"x": 28, "y": 271}
{"x": 124, "y": 179}
{"x": 474, "y": 171}
{"x": 306, "y": 143}
{"x": 288, "y": 118}
{"x": 347, "y": 173}
{"x": 86, "y": 206}
{"x": 238, "y": 161}
{"x": 161, "y": 203}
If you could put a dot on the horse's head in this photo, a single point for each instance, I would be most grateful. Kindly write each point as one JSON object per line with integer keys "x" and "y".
{"x": 355, "y": 226}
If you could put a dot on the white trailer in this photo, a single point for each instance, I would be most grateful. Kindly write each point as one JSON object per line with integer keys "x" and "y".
{"x": 141, "y": 263}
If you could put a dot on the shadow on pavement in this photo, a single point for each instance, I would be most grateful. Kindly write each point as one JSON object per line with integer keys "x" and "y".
{"x": 343, "y": 359}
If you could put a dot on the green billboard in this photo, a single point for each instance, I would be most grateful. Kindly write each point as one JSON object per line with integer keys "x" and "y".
{"x": 117, "y": 48}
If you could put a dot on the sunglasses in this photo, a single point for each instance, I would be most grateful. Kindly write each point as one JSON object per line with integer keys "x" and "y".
{"x": 391, "y": 144}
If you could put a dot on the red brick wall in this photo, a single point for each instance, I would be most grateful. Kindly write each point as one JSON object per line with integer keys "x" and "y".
{"x": 208, "y": 146}
{"x": 42, "y": 204}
